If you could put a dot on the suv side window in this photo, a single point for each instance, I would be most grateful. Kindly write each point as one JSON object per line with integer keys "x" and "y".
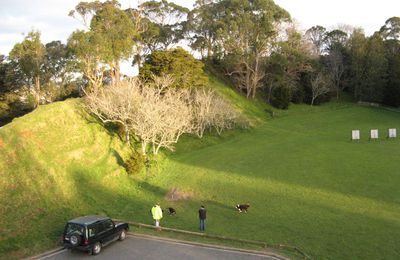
{"x": 108, "y": 224}
{"x": 92, "y": 230}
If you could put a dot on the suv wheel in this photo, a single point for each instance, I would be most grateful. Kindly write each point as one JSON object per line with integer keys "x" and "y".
{"x": 96, "y": 248}
{"x": 75, "y": 239}
{"x": 122, "y": 235}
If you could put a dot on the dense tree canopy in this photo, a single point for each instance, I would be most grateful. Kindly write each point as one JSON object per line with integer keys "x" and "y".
{"x": 181, "y": 65}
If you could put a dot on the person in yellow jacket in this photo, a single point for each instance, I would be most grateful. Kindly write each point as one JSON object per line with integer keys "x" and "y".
{"x": 157, "y": 214}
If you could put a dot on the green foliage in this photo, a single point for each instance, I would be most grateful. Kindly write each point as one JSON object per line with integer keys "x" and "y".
{"x": 116, "y": 31}
{"x": 281, "y": 97}
{"x": 392, "y": 89}
{"x": 181, "y": 65}
{"x": 135, "y": 163}
{"x": 286, "y": 68}
{"x": 58, "y": 65}
{"x": 375, "y": 70}
{"x": 29, "y": 56}
{"x": 12, "y": 106}
{"x": 165, "y": 24}
{"x": 109, "y": 40}
{"x": 317, "y": 35}
{"x": 391, "y": 29}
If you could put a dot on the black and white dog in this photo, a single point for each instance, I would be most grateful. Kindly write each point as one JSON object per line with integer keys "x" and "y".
{"x": 171, "y": 211}
{"x": 242, "y": 207}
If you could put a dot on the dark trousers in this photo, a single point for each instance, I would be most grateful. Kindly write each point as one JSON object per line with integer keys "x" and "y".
{"x": 202, "y": 224}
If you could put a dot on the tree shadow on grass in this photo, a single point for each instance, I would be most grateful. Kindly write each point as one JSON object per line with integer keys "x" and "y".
{"x": 118, "y": 157}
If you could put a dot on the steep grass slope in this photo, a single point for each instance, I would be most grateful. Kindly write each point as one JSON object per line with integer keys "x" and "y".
{"x": 57, "y": 163}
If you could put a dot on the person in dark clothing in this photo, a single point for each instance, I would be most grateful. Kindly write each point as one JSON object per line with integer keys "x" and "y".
{"x": 202, "y": 218}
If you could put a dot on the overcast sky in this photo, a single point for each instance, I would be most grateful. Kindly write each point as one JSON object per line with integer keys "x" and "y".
{"x": 51, "y": 18}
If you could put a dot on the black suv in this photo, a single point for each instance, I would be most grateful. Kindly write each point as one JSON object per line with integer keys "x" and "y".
{"x": 91, "y": 233}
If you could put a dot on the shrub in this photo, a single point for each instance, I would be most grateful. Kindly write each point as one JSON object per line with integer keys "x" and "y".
{"x": 281, "y": 98}
{"x": 180, "y": 64}
{"x": 135, "y": 163}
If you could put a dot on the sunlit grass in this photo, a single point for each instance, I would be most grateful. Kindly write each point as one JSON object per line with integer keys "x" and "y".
{"x": 308, "y": 185}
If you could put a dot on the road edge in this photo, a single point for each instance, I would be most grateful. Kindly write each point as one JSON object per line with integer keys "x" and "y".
{"x": 205, "y": 245}
{"x": 278, "y": 257}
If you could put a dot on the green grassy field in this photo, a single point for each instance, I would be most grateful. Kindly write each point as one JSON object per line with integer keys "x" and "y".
{"x": 307, "y": 183}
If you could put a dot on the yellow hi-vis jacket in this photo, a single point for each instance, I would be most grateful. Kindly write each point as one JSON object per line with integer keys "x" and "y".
{"x": 156, "y": 212}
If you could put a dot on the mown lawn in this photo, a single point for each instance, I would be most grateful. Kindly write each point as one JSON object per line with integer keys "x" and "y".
{"x": 307, "y": 183}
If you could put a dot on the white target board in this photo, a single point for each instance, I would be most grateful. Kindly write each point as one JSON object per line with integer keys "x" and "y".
{"x": 355, "y": 135}
{"x": 392, "y": 133}
{"x": 374, "y": 134}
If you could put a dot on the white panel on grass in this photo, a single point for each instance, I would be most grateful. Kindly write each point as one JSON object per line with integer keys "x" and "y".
{"x": 392, "y": 133}
{"x": 355, "y": 135}
{"x": 374, "y": 134}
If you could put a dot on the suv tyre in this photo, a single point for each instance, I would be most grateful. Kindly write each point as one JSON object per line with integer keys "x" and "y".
{"x": 96, "y": 248}
{"x": 122, "y": 235}
{"x": 75, "y": 239}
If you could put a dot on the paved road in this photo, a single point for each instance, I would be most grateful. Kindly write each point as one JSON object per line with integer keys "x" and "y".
{"x": 146, "y": 248}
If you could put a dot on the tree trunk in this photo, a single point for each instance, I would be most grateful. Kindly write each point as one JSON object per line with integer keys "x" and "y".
{"x": 270, "y": 93}
{"x": 117, "y": 72}
{"x": 337, "y": 91}
{"x": 248, "y": 86}
{"x": 37, "y": 91}
{"x": 144, "y": 145}
{"x": 127, "y": 134}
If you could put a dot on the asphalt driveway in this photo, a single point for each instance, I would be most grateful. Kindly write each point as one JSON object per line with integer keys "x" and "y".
{"x": 137, "y": 247}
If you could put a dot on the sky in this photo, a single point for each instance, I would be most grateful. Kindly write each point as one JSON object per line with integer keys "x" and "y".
{"x": 50, "y": 17}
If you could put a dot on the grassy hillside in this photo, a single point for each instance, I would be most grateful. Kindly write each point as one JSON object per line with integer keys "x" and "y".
{"x": 307, "y": 184}
{"x": 56, "y": 163}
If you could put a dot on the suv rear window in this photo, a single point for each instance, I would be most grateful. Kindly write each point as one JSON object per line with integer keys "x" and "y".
{"x": 74, "y": 228}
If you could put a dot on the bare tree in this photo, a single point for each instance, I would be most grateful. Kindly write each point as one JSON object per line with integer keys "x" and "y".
{"x": 319, "y": 86}
{"x": 202, "y": 102}
{"x": 211, "y": 111}
{"x": 157, "y": 114}
{"x": 163, "y": 117}
{"x": 116, "y": 104}
{"x": 223, "y": 115}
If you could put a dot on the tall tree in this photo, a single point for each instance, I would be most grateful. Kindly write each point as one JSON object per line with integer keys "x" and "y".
{"x": 335, "y": 39}
{"x": 317, "y": 35}
{"x": 358, "y": 49}
{"x": 58, "y": 63}
{"x": 247, "y": 34}
{"x": 203, "y": 27}
{"x": 88, "y": 50}
{"x": 29, "y": 56}
{"x": 336, "y": 43}
{"x": 286, "y": 64}
{"x": 392, "y": 90}
{"x": 376, "y": 67}
{"x": 115, "y": 29}
{"x": 391, "y": 29}
{"x": 167, "y": 23}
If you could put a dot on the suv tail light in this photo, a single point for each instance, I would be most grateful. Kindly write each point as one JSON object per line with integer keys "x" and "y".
{"x": 86, "y": 242}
